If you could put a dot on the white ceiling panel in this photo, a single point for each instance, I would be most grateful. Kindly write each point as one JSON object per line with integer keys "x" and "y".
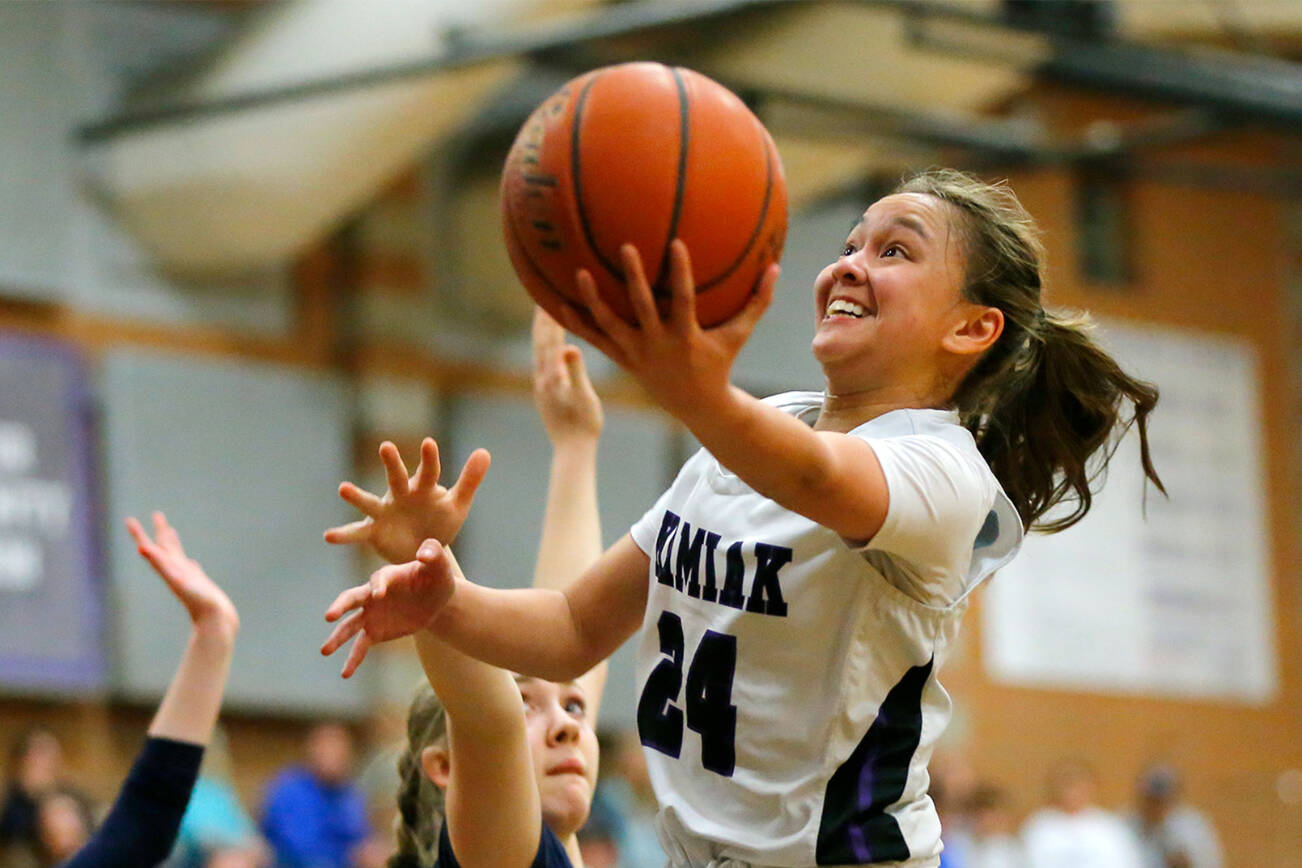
{"x": 854, "y": 51}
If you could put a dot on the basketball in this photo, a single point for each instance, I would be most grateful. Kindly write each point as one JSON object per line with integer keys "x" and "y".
{"x": 643, "y": 153}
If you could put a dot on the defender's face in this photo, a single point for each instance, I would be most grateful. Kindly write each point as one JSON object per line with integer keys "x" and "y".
{"x": 564, "y": 748}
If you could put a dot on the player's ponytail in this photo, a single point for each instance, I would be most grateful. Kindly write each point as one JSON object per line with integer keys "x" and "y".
{"x": 1046, "y": 404}
{"x": 420, "y": 802}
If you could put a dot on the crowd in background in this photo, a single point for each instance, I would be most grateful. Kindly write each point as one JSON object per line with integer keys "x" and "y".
{"x": 334, "y": 808}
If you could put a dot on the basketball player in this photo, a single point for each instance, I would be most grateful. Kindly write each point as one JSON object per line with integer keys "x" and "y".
{"x": 142, "y": 825}
{"x": 482, "y": 785}
{"x": 802, "y": 581}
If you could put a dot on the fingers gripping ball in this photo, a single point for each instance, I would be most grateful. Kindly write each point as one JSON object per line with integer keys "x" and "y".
{"x": 643, "y": 153}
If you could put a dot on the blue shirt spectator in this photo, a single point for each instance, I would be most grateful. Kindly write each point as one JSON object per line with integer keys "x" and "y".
{"x": 314, "y": 814}
{"x": 214, "y": 820}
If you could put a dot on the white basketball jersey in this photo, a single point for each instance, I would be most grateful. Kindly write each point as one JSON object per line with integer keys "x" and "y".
{"x": 788, "y": 701}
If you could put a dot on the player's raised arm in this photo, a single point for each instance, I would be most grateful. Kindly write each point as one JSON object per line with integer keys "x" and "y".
{"x": 142, "y": 825}
{"x": 190, "y": 706}
{"x": 556, "y": 635}
{"x": 571, "y": 414}
{"x": 484, "y": 765}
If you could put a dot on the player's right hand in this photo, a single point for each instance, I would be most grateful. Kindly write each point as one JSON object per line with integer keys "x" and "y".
{"x": 414, "y": 508}
{"x": 204, "y": 601}
{"x": 398, "y": 601}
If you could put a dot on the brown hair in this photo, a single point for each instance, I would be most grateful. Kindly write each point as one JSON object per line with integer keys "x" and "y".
{"x": 420, "y": 801}
{"x": 1045, "y": 403}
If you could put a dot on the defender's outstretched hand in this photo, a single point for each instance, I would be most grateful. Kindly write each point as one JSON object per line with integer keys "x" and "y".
{"x": 193, "y": 699}
{"x": 566, "y": 401}
{"x": 413, "y": 509}
{"x": 206, "y": 603}
{"x": 397, "y": 601}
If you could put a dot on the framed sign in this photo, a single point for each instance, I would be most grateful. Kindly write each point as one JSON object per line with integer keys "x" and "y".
{"x": 51, "y": 594}
{"x": 1160, "y": 596}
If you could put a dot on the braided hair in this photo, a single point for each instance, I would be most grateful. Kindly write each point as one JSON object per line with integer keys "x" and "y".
{"x": 420, "y": 801}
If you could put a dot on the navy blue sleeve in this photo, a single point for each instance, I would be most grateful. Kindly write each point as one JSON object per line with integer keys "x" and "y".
{"x": 141, "y": 828}
{"x": 550, "y": 852}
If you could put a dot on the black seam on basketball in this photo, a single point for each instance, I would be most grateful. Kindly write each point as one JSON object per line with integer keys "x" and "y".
{"x": 684, "y": 139}
{"x": 576, "y": 174}
{"x": 509, "y": 225}
{"x": 759, "y": 224}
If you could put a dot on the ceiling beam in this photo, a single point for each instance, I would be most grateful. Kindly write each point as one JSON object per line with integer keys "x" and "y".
{"x": 1244, "y": 88}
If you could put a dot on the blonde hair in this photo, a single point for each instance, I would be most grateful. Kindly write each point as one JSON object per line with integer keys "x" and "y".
{"x": 1046, "y": 402}
{"x": 420, "y": 801}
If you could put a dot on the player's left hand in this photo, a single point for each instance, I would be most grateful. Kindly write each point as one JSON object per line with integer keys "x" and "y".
{"x": 679, "y": 363}
{"x": 205, "y": 602}
{"x": 566, "y": 401}
{"x": 414, "y": 508}
{"x": 397, "y": 601}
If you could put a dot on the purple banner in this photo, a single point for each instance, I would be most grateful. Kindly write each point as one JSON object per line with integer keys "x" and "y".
{"x": 51, "y": 596}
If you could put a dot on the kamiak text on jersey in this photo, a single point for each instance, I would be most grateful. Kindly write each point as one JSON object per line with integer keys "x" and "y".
{"x": 690, "y": 567}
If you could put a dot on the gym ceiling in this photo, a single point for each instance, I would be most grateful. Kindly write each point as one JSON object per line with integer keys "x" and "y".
{"x": 249, "y": 131}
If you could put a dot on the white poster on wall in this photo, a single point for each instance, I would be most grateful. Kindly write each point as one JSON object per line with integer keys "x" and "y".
{"x": 1165, "y": 596}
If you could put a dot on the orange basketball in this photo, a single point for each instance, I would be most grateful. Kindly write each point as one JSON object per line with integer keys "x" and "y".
{"x": 642, "y": 153}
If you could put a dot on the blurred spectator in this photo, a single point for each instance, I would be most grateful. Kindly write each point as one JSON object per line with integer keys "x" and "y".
{"x": 953, "y": 780}
{"x": 599, "y": 837}
{"x": 1072, "y": 832}
{"x": 991, "y": 842}
{"x": 314, "y": 816}
{"x": 35, "y": 768}
{"x": 624, "y": 791}
{"x": 1173, "y": 833}
{"x": 237, "y": 857}
{"x": 215, "y": 826}
{"x": 378, "y": 779}
{"x": 63, "y": 826}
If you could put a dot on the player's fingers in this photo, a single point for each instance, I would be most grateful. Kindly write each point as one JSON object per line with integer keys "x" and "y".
{"x": 361, "y": 500}
{"x": 430, "y": 551}
{"x": 357, "y": 654}
{"x": 156, "y": 557}
{"x": 353, "y": 532}
{"x": 342, "y": 632}
{"x": 394, "y": 470}
{"x": 560, "y": 372}
{"x": 682, "y": 308}
{"x": 347, "y": 601}
{"x": 573, "y": 317}
{"x": 612, "y": 334}
{"x": 472, "y": 474}
{"x": 639, "y": 290}
{"x": 429, "y": 469}
{"x": 575, "y": 368}
{"x": 547, "y": 334}
{"x": 379, "y": 580}
{"x": 164, "y": 534}
{"x": 739, "y": 327}
{"x": 137, "y": 532}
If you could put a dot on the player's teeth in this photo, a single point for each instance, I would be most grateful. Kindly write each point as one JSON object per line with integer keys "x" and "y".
{"x": 840, "y": 305}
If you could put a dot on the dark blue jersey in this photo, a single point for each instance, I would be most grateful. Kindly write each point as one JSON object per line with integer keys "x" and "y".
{"x": 550, "y": 852}
{"x": 141, "y": 828}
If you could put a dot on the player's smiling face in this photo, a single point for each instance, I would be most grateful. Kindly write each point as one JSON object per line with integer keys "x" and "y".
{"x": 884, "y": 305}
{"x": 564, "y": 748}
